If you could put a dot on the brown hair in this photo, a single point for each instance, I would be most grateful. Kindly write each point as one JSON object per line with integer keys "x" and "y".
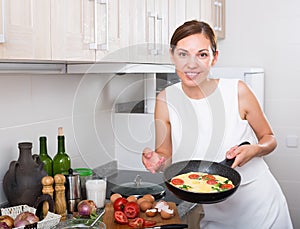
{"x": 191, "y": 28}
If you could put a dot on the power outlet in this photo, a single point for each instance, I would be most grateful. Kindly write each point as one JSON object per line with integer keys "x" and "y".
{"x": 292, "y": 141}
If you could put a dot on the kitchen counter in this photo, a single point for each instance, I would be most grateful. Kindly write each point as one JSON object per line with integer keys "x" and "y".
{"x": 125, "y": 176}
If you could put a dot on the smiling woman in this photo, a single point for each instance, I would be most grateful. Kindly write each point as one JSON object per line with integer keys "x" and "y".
{"x": 201, "y": 118}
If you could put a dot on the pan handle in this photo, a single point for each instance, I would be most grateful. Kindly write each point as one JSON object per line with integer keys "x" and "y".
{"x": 229, "y": 162}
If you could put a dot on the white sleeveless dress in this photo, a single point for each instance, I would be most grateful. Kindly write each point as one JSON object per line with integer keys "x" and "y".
{"x": 205, "y": 129}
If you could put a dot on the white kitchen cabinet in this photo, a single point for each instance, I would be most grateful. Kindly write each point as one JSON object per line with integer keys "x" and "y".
{"x": 143, "y": 33}
{"x": 181, "y": 11}
{"x": 107, "y": 30}
{"x": 210, "y": 11}
{"x": 213, "y": 12}
{"x": 72, "y": 30}
{"x": 25, "y": 30}
{"x": 84, "y": 30}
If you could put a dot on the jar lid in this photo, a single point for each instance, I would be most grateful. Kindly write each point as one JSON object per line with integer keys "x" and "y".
{"x": 84, "y": 171}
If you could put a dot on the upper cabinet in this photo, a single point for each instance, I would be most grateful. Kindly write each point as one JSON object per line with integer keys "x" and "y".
{"x": 142, "y": 32}
{"x": 136, "y": 31}
{"x": 213, "y": 12}
{"x": 25, "y": 29}
{"x": 72, "y": 30}
{"x": 210, "y": 11}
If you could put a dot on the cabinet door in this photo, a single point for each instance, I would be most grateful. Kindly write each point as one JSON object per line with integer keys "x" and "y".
{"x": 162, "y": 31}
{"x": 141, "y": 34}
{"x": 133, "y": 30}
{"x": 157, "y": 29}
{"x": 181, "y": 11}
{"x": 210, "y": 11}
{"x": 213, "y": 12}
{"x": 108, "y": 27}
{"x": 26, "y": 30}
{"x": 72, "y": 30}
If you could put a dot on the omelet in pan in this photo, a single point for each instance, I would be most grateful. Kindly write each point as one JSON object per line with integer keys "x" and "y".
{"x": 201, "y": 182}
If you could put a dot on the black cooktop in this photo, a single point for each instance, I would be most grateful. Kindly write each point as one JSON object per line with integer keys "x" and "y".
{"x": 125, "y": 176}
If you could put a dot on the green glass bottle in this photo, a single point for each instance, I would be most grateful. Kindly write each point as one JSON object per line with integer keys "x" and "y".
{"x": 44, "y": 157}
{"x": 61, "y": 161}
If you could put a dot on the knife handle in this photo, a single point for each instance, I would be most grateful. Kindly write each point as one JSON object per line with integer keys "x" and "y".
{"x": 173, "y": 226}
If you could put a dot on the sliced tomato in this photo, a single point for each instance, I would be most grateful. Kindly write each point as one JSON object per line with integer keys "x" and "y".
{"x": 208, "y": 177}
{"x": 149, "y": 223}
{"x": 194, "y": 176}
{"x": 131, "y": 210}
{"x": 136, "y": 223}
{"x": 177, "y": 181}
{"x": 120, "y": 217}
{"x": 212, "y": 182}
{"x": 226, "y": 186}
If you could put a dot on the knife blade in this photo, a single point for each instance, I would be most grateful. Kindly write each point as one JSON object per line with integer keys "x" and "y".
{"x": 169, "y": 226}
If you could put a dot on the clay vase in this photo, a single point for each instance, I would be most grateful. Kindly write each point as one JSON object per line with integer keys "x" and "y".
{"x": 22, "y": 182}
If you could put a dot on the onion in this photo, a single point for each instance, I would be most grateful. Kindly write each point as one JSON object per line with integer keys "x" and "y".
{"x": 3, "y": 225}
{"x": 8, "y": 220}
{"x": 86, "y": 207}
{"x": 25, "y": 218}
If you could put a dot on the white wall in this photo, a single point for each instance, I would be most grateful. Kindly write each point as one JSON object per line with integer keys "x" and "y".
{"x": 36, "y": 105}
{"x": 266, "y": 34}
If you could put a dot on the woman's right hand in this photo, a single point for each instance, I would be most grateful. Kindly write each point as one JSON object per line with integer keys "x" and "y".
{"x": 152, "y": 160}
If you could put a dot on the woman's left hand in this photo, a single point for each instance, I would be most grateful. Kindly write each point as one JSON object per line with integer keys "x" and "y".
{"x": 242, "y": 154}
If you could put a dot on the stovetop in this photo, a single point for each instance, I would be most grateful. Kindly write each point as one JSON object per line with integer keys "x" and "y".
{"x": 125, "y": 176}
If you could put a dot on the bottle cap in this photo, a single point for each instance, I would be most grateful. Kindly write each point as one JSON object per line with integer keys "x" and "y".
{"x": 84, "y": 171}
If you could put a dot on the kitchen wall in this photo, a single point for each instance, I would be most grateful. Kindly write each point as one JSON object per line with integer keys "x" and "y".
{"x": 33, "y": 105}
{"x": 36, "y": 105}
{"x": 265, "y": 34}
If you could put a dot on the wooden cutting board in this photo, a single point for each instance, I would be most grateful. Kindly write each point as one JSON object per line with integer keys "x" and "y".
{"x": 108, "y": 217}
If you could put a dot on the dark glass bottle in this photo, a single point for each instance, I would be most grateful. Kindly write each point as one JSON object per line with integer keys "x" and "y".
{"x": 44, "y": 157}
{"x": 61, "y": 161}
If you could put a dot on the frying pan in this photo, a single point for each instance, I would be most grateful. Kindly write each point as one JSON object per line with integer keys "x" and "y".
{"x": 223, "y": 169}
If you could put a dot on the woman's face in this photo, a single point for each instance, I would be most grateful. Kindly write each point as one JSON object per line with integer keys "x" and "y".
{"x": 193, "y": 58}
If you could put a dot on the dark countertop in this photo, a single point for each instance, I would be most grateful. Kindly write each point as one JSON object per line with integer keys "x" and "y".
{"x": 125, "y": 176}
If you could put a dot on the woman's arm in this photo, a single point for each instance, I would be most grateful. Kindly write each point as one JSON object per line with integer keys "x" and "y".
{"x": 251, "y": 111}
{"x": 163, "y": 142}
{"x": 157, "y": 160}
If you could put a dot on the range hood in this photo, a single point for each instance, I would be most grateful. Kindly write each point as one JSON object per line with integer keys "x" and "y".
{"x": 119, "y": 68}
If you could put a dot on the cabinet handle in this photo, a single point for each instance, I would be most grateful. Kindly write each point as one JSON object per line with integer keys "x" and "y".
{"x": 94, "y": 45}
{"x": 217, "y": 15}
{"x": 104, "y": 46}
{"x": 159, "y": 49}
{"x": 2, "y": 35}
{"x": 221, "y": 16}
{"x": 151, "y": 47}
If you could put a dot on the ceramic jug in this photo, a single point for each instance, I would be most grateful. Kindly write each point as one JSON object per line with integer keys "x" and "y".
{"x": 22, "y": 182}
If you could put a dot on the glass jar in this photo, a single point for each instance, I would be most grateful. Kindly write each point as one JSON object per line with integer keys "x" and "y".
{"x": 85, "y": 174}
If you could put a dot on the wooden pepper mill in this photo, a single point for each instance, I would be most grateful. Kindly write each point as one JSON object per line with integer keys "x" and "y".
{"x": 60, "y": 199}
{"x": 47, "y": 182}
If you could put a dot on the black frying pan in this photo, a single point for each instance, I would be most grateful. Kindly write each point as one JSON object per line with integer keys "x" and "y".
{"x": 223, "y": 169}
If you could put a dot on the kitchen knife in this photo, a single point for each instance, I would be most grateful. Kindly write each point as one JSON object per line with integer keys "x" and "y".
{"x": 169, "y": 226}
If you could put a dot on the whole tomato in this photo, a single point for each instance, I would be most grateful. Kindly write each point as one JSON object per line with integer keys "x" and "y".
{"x": 131, "y": 210}
{"x": 120, "y": 203}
